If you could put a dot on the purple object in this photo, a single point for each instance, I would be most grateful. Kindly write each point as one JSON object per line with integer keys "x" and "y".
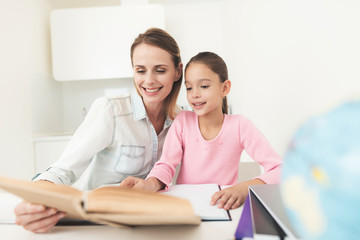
{"x": 244, "y": 228}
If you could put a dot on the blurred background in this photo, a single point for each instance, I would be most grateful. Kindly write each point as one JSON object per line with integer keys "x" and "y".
{"x": 287, "y": 60}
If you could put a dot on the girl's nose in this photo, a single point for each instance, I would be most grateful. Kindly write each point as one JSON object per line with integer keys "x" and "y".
{"x": 195, "y": 93}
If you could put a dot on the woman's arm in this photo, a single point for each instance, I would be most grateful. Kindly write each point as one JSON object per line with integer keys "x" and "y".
{"x": 93, "y": 135}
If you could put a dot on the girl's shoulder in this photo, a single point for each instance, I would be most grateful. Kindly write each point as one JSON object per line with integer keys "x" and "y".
{"x": 237, "y": 117}
{"x": 185, "y": 114}
{"x": 185, "y": 117}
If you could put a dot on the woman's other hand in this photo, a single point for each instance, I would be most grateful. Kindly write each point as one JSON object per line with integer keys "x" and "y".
{"x": 152, "y": 184}
{"x": 36, "y": 218}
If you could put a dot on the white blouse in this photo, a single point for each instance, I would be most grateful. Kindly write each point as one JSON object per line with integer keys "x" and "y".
{"x": 115, "y": 140}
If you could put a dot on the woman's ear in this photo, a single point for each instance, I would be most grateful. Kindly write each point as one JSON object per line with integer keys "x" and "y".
{"x": 226, "y": 88}
{"x": 179, "y": 72}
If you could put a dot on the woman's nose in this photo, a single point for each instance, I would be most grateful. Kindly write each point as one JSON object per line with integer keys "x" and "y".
{"x": 149, "y": 78}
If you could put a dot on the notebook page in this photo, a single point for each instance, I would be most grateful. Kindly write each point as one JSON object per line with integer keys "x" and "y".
{"x": 199, "y": 196}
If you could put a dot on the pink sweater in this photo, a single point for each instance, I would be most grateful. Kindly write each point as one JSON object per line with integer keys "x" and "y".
{"x": 217, "y": 160}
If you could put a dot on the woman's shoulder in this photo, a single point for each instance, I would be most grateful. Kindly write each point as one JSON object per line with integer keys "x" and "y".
{"x": 112, "y": 105}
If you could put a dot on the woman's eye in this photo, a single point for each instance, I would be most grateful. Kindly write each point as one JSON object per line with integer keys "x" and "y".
{"x": 205, "y": 86}
{"x": 188, "y": 88}
{"x": 140, "y": 71}
{"x": 160, "y": 71}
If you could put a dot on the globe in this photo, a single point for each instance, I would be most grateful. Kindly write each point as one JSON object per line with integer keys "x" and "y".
{"x": 320, "y": 175}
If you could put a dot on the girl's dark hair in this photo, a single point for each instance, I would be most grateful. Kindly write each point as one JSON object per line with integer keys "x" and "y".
{"x": 217, "y": 65}
{"x": 160, "y": 38}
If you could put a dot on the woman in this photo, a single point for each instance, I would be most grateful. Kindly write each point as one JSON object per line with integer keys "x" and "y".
{"x": 121, "y": 136}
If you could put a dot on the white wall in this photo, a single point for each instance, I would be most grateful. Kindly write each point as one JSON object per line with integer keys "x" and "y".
{"x": 25, "y": 73}
{"x": 290, "y": 60}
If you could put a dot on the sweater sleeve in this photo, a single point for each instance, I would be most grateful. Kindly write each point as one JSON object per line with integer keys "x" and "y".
{"x": 93, "y": 135}
{"x": 172, "y": 154}
{"x": 260, "y": 150}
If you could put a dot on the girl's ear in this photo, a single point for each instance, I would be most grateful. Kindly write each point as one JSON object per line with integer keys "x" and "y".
{"x": 226, "y": 88}
{"x": 179, "y": 72}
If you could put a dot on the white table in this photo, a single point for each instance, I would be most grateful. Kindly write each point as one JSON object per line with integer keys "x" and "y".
{"x": 207, "y": 230}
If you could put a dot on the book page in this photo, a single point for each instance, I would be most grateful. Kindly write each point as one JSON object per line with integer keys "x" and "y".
{"x": 64, "y": 198}
{"x": 200, "y": 196}
{"x": 114, "y": 199}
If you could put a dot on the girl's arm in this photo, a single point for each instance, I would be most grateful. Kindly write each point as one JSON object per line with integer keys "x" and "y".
{"x": 261, "y": 151}
{"x": 172, "y": 154}
{"x": 164, "y": 170}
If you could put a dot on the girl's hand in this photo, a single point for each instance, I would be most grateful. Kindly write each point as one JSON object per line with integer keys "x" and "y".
{"x": 152, "y": 184}
{"x": 231, "y": 197}
{"x": 36, "y": 218}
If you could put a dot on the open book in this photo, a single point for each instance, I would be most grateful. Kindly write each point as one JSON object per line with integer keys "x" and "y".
{"x": 107, "y": 205}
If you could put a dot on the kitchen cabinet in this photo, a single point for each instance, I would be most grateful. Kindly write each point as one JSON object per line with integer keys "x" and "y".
{"x": 48, "y": 149}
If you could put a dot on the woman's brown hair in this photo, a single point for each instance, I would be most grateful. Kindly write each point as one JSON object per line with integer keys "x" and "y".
{"x": 160, "y": 38}
{"x": 217, "y": 65}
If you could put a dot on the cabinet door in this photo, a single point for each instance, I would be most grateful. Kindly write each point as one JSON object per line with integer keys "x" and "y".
{"x": 94, "y": 43}
{"x": 48, "y": 152}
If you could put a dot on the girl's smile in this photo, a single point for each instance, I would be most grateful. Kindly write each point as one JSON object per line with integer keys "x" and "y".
{"x": 204, "y": 89}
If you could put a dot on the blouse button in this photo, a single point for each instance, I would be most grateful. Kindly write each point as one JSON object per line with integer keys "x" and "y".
{"x": 220, "y": 142}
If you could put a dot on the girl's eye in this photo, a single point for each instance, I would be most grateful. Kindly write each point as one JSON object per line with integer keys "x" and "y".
{"x": 188, "y": 89}
{"x": 205, "y": 86}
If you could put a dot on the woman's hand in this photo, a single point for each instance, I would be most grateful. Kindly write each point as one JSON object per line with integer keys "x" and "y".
{"x": 151, "y": 184}
{"x": 36, "y": 218}
{"x": 233, "y": 197}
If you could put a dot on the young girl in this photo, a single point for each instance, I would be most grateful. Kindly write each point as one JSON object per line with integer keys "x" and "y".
{"x": 208, "y": 142}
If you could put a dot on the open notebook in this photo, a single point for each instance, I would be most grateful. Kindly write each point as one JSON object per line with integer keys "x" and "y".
{"x": 199, "y": 196}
